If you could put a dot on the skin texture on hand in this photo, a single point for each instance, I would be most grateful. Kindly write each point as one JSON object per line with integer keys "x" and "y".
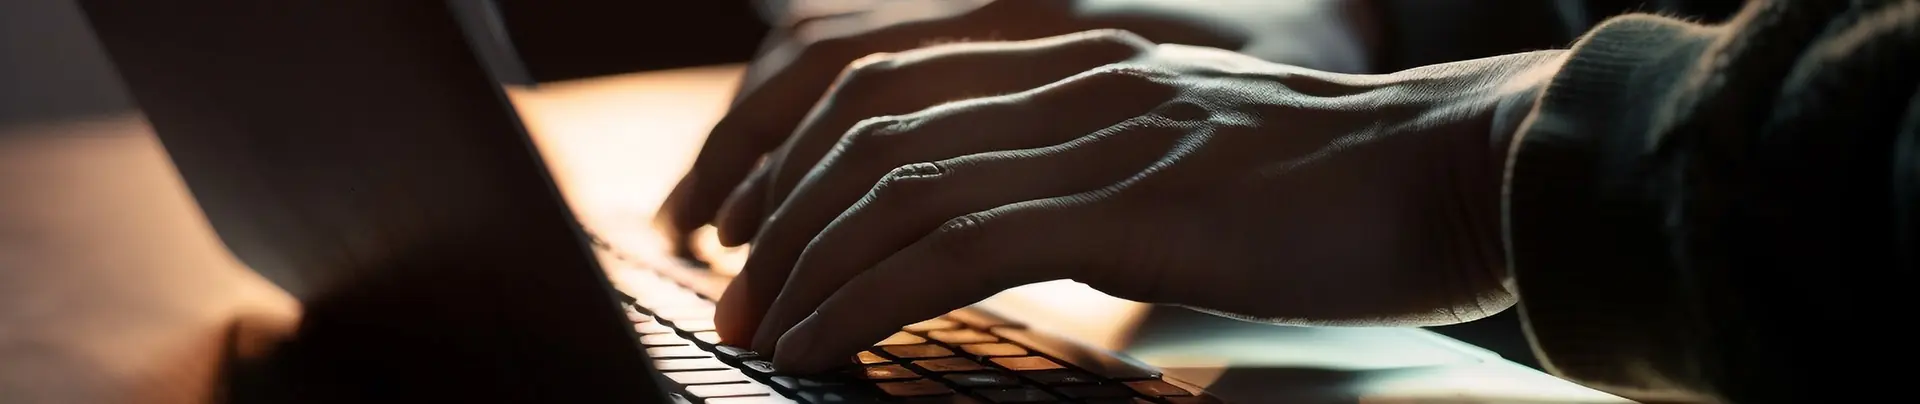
{"x": 805, "y": 56}
{"x": 1166, "y": 173}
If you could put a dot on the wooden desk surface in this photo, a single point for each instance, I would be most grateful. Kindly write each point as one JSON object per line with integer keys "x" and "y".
{"x": 113, "y": 288}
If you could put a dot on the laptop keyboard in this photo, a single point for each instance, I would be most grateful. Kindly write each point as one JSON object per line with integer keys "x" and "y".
{"x": 957, "y": 358}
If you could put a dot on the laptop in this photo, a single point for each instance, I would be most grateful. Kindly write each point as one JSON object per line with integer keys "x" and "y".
{"x": 361, "y": 154}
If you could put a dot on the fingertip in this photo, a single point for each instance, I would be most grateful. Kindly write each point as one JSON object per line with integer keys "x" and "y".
{"x": 733, "y": 238}
{"x": 740, "y": 215}
{"x": 734, "y": 318}
{"x": 739, "y": 220}
{"x": 766, "y": 340}
{"x": 797, "y": 348}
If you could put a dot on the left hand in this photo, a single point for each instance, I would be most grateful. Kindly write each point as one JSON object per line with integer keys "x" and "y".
{"x": 1183, "y": 175}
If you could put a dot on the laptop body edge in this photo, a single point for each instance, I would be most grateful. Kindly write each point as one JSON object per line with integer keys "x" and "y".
{"x": 358, "y": 154}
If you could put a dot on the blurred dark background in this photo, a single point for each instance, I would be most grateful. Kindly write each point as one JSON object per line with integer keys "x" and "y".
{"x": 52, "y": 68}
{"x": 559, "y": 40}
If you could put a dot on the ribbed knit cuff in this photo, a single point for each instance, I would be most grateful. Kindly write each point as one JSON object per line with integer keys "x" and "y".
{"x": 1584, "y": 224}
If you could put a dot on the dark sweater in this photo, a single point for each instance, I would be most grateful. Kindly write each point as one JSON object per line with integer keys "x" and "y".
{"x": 1720, "y": 211}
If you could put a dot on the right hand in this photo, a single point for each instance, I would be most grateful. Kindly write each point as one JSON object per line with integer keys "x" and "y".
{"x": 806, "y": 57}
{"x": 1182, "y": 175}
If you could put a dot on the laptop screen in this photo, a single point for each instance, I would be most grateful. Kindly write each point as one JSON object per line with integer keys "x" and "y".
{"x": 358, "y": 154}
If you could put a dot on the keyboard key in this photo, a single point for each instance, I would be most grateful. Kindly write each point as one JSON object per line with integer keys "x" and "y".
{"x": 1026, "y": 363}
{"x": 962, "y": 336}
{"x": 1099, "y": 363}
{"x": 651, "y": 327}
{"x": 843, "y": 396}
{"x": 770, "y": 399}
{"x": 669, "y": 300}
{"x": 734, "y": 352}
{"x": 1156, "y": 388}
{"x": 763, "y": 367}
{"x": 636, "y": 317}
{"x": 707, "y": 377}
{"x": 916, "y": 388}
{"x": 977, "y": 320}
{"x": 694, "y": 325}
{"x": 919, "y": 351}
{"x": 1018, "y": 395}
{"x": 950, "y": 365}
{"x": 677, "y": 352}
{"x": 797, "y": 384}
{"x": 685, "y": 313}
{"x": 886, "y": 372}
{"x": 709, "y": 337}
{"x": 984, "y": 379}
{"x": 1095, "y": 391}
{"x": 1060, "y": 377}
{"x": 676, "y": 398}
{"x": 670, "y": 365}
{"x": 1116, "y": 401}
{"x": 729, "y": 390}
{"x": 946, "y": 399}
{"x": 901, "y": 338}
{"x": 663, "y": 340}
{"x": 934, "y": 324}
{"x": 869, "y": 358}
{"x": 994, "y": 349}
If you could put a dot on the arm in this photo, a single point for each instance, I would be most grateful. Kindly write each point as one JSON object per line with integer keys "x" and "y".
{"x": 1683, "y": 195}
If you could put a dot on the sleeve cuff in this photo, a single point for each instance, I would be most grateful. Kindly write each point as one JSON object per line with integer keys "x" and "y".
{"x": 1583, "y": 222}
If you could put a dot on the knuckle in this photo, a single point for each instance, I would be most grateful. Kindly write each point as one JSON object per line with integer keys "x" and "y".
{"x": 1115, "y": 43}
{"x": 916, "y": 171}
{"x": 871, "y": 64}
{"x": 866, "y": 74}
{"x": 872, "y": 139}
{"x": 1124, "y": 74}
{"x": 959, "y": 239}
{"x": 907, "y": 184}
{"x": 873, "y": 129}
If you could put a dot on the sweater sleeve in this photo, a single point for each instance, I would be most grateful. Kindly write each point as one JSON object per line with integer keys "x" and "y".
{"x": 1688, "y": 204}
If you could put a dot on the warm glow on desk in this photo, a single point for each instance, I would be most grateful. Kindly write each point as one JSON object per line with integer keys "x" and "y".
{"x": 617, "y": 144}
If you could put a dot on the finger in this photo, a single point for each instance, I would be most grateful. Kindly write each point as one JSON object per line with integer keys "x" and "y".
{"x": 735, "y": 326}
{"x": 1010, "y": 122}
{"x": 969, "y": 258}
{"x": 915, "y": 199}
{"x": 739, "y": 216}
{"x": 921, "y": 78}
{"x": 774, "y": 100}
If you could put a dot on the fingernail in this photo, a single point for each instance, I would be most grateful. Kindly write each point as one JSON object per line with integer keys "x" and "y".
{"x": 766, "y": 337}
{"x": 796, "y": 347}
{"x": 765, "y": 340}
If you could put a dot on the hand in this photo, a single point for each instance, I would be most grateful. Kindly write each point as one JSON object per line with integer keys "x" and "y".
{"x": 806, "y": 55}
{"x": 1183, "y": 175}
